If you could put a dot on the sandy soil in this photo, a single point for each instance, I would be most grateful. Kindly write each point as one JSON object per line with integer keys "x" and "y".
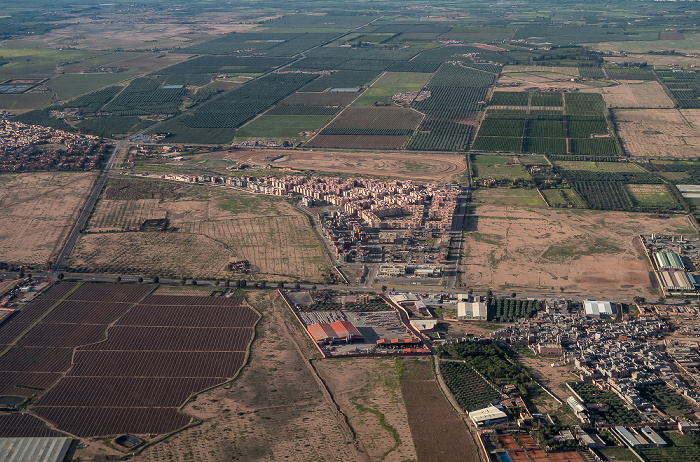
{"x": 539, "y": 250}
{"x": 367, "y": 390}
{"x": 433, "y": 167}
{"x": 273, "y": 411}
{"x": 139, "y": 31}
{"x": 553, "y": 378}
{"x": 636, "y": 94}
{"x": 38, "y": 210}
{"x": 209, "y": 228}
{"x": 660, "y": 133}
{"x": 657, "y": 61}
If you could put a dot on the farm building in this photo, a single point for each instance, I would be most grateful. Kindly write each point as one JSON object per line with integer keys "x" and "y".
{"x": 34, "y": 449}
{"x": 335, "y": 331}
{"x": 594, "y": 308}
{"x": 668, "y": 261}
{"x": 490, "y": 415}
{"x": 676, "y": 280}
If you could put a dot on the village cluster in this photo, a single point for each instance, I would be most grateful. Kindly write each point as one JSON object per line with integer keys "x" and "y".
{"x": 32, "y": 147}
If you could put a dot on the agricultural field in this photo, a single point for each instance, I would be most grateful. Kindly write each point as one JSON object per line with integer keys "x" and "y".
{"x": 669, "y": 133}
{"x": 205, "y": 229}
{"x": 685, "y": 86}
{"x": 278, "y": 376}
{"x": 53, "y": 328}
{"x": 555, "y": 251}
{"x": 499, "y": 168}
{"x": 522, "y": 197}
{"x": 436, "y": 167}
{"x": 283, "y": 127}
{"x": 428, "y": 409}
{"x": 636, "y": 94}
{"x": 652, "y": 196}
{"x": 520, "y": 122}
{"x": 469, "y": 389}
{"x": 681, "y": 447}
{"x": 368, "y": 128}
{"x": 38, "y": 212}
{"x": 390, "y": 84}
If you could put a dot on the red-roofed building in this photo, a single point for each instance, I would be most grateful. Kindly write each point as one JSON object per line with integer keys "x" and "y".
{"x": 333, "y": 332}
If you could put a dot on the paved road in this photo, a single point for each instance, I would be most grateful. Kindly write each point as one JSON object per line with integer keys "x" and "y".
{"x": 87, "y": 210}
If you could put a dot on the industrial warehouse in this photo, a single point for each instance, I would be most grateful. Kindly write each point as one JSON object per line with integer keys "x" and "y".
{"x": 354, "y": 325}
{"x": 674, "y": 260}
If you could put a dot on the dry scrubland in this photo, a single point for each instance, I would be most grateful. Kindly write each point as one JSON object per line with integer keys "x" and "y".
{"x": 273, "y": 411}
{"x": 636, "y": 94}
{"x": 436, "y": 167}
{"x": 660, "y": 133}
{"x": 587, "y": 253}
{"x": 138, "y": 30}
{"x": 208, "y": 228}
{"x": 38, "y": 210}
{"x": 369, "y": 393}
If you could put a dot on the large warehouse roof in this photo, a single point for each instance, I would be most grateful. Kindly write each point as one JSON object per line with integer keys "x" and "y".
{"x": 676, "y": 280}
{"x": 668, "y": 260}
{"x": 34, "y": 449}
{"x": 594, "y": 308}
{"x": 339, "y": 330}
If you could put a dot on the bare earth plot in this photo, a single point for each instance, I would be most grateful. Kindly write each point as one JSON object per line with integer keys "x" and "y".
{"x": 438, "y": 431}
{"x": 660, "y": 133}
{"x": 206, "y": 229}
{"x": 584, "y": 252}
{"x": 435, "y": 167}
{"x": 369, "y": 393}
{"x": 38, "y": 210}
{"x": 273, "y": 411}
{"x": 636, "y": 94}
{"x": 140, "y": 30}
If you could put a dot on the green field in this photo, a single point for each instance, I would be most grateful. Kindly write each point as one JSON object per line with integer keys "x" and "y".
{"x": 282, "y": 127}
{"x": 68, "y": 86}
{"x": 498, "y": 167}
{"x": 555, "y": 197}
{"x": 651, "y": 195}
{"x": 25, "y": 101}
{"x": 390, "y": 84}
{"x": 598, "y": 166}
{"x": 509, "y": 196}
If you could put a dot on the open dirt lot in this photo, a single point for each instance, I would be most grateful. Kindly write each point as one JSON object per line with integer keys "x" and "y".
{"x": 660, "y": 133}
{"x": 636, "y": 94}
{"x": 369, "y": 393}
{"x": 274, "y": 411}
{"x": 657, "y": 61}
{"x": 438, "y": 431}
{"x": 38, "y": 210}
{"x": 207, "y": 228}
{"x": 585, "y": 253}
{"x": 435, "y": 167}
{"x": 528, "y": 79}
{"x": 140, "y": 30}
